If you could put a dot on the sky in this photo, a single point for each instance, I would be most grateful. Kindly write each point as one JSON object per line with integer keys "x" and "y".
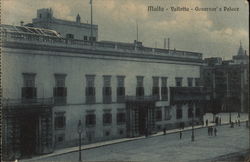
{"x": 212, "y": 33}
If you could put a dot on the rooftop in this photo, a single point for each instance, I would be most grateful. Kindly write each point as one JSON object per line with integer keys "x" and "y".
{"x": 50, "y": 38}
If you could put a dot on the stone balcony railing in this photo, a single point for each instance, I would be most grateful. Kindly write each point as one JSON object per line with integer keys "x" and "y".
{"x": 131, "y": 48}
{"x": 29, "y": 102}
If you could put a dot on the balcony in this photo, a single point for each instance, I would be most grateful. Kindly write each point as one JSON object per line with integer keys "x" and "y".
{"x": 140, "y": 98}
{"x": 27, "y": 102}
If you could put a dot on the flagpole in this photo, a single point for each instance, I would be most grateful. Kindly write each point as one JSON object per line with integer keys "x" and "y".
{"x": 91, "y": 23}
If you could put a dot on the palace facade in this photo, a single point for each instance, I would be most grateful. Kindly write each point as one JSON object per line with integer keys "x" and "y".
{"x": 51, "y": 81}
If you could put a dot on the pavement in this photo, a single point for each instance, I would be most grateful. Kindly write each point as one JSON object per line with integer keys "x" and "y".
{"x": 59, "y": 155}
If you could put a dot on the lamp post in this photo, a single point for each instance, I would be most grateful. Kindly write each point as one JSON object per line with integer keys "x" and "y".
{"x": 192, "y": 137}
{"x": 79, "y": 130}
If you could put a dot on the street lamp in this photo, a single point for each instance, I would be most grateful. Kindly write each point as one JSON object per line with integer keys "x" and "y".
{"x": 79, "y": 130}
{"x": 192, "y": 137}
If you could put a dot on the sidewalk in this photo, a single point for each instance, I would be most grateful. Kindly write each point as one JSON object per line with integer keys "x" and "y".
{"x": 111, "y": 142}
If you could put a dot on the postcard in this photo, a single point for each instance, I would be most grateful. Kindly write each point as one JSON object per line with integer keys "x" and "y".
{"x": 125, "y": 80}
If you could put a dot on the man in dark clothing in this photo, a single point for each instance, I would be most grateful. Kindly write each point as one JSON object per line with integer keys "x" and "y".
{"x": 206, "y": 123}
{"x": 215, "y": 131}
{"x": 164, "y": 131}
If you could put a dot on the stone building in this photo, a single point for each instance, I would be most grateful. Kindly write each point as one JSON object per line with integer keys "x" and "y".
{"x": 116, "y": 89}
{"x": 227, "y": 82}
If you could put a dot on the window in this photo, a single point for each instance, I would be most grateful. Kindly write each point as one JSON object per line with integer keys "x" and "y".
{"x": 139, "y": 87}
{"x": 197, "y": 112}
{"x": 107, "y": 118}
{"x": 167, "y": 113}
{"x": 164, "y": 89}
{"x": 121, "y": 132}
{"x": 107, "y": 133}
{"x": 190, "y": 111}
{"x": 90, "y": 89}
{"x": 59, "y": 120}
{"x": 107, "y": 92}
{"x": 29, "y": 90}
{"x": 178, "y": 112}
{"x": 85, "y": 38}
{"x": 90, "y": 120}
{"x": 158, "y": 114}
{"x": 40, "y": 16}
{"x": 120, "y": 89}
{"x": 60, "y": 91}
{"x": 156, "y": 89}
{"x": 197, "y": 82}
{"x": 190, "y": 82}
{"x": 121, "y": 118}
{"x": 69, "y": 36}
{"x": 178, "y": 81}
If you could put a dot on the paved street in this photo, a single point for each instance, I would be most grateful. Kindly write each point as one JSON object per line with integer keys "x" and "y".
{"x": 169, "y": 147}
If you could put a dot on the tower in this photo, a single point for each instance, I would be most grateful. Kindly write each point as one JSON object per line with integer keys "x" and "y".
{"x": 78, "y": 18}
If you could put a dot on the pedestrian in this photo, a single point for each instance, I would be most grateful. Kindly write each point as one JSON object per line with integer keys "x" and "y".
{"x": 211, "y": 131}
{"x": 164, "y": 131}
{"x": 239, "y": 123}
{"x": 206, "y": 123}
{"x": 215, "y": 131}
{"x": 220, "y": 120}
{"x": 180, "y": 134}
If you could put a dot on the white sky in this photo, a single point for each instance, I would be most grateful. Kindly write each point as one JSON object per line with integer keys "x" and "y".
{"x": 211, "y": 33}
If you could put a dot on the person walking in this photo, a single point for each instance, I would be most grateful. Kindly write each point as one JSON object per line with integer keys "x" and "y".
{"x": 215, "y": 131}
{"x": 206, "y": 123}
{"x": 164, "y": 131}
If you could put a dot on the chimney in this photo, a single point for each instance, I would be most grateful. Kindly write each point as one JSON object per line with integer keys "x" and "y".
{"x": 165, "y": 43}
{"x": 168, "y": 43}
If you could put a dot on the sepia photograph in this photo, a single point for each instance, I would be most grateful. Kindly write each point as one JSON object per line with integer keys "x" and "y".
{"x": 124, "y": 80}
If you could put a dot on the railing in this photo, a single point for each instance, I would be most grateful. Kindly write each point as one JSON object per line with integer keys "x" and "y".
{"x": 110, "y": 46}
{"x": 34, "y": 101}
{"x": 141, "y": 98}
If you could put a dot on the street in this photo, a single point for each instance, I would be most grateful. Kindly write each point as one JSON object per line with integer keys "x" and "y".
{"x": 169, "y": 147}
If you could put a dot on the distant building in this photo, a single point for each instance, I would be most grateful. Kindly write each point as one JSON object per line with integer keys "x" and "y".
{"x": 227, "y": 82}
{"x": 116, "y": 89}
{"x": 67, "y": 29}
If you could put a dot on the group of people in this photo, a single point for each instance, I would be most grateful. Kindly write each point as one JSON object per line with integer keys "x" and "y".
{"x": 212, "y": 130}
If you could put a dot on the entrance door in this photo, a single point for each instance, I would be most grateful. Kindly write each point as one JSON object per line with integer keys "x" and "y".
{"x": 142, "y": 121}
{"x": 28, "y": 135}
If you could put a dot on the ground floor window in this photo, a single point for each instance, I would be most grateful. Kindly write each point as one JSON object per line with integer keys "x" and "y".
{"x": 178, "y": 112}
{"x": 90, "y": 120}
{"x": 59, "y": 121}
{"x": 197, "y": 112}
{"x": 158, "y": 114}
{"x": 59, "y": 138}
{"x": 107, "y": 118}
{"x": 121, "y": 118}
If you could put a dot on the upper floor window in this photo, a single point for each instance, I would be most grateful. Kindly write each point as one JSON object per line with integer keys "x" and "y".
{"x": 69, "y": 36}
{"x": 197, "y": 82}
{"x": 190, "y": 82}
{"x": 139, "y": 86}
{"x": 60, "y": 91}
{"x": 85, "y": 38}
{"x": 164, "y": 88}
{"x": 29, "y": 90}
{"x": 178, "y": 81}
{"x": 120, "y": 89}
{"x": 156, "y": 89}
{"x": 107, "y": 92}
{"x": 90, "y": 89}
